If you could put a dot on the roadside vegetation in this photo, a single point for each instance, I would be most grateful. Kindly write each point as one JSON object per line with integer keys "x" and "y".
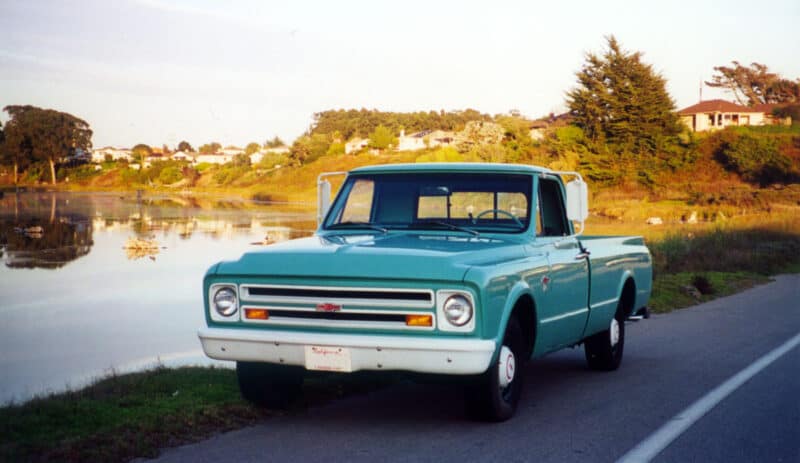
{"x": 122, "y": 417}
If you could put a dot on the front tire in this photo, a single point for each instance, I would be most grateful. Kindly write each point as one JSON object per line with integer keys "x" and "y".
{"x": 269, "y": 385}
{"x": 604, "y": 349}
{"x": 495, "y": 394}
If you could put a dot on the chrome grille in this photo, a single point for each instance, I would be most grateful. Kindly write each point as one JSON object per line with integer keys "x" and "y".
{"x": 347, "y": 297}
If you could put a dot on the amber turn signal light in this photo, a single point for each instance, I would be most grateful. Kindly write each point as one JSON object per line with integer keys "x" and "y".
{"x": 419, "y": 320}
{"x": 256, "y": 314}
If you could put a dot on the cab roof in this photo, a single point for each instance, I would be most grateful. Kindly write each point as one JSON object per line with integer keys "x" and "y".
{"x": 468, "y": 167}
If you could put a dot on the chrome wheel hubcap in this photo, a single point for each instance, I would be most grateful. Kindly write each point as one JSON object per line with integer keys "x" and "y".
{"x": 614, "y": 331}
{"x": 506, "y": 367}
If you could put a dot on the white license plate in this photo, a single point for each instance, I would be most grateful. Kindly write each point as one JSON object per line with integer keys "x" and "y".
{"x": 327, "y": 358}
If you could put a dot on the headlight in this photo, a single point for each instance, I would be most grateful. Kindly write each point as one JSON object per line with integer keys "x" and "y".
{"x": 458, "y": 310}
{"x": 225, "y": 302}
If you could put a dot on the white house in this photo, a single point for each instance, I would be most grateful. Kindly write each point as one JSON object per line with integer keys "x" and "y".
{"x": 184, "y": 156}
{"x": 718, "y": 114}
{"x": 355, "y": 145}
{"x": 218, "y": 158}
{"x": 116, "y": 154}
{"x": 425, "y": 139}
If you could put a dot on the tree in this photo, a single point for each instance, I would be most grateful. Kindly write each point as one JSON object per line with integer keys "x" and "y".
{"x": 276, "y": 142}
{"x": 210, "y": 148}
{"x": 755, "y": 84}
{"x": 45, "y": 135}
{"x": 241, "y": 160}
{"x": 185, "y": 146}
{"x": 382, "y": 138}
{"x": 141, "y": 152}
{"x": 251, "y": 148}
{"x": 623, "y": 101}
{"x": 309, "y": 148}
{"x": 478, "y": 133}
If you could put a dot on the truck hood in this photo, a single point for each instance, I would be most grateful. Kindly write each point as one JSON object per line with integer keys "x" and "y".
{"x": 391, "y": 256}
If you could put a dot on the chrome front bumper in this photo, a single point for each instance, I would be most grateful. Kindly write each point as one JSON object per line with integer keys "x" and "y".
{"x": 367, "y": 352}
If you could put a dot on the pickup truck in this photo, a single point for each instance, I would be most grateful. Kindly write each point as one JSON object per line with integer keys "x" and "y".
{"x": 446, "y": 269}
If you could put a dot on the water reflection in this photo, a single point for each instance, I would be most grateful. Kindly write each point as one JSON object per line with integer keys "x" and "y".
{"x": 76, "y": 300}
{"x": 35, "y": 235}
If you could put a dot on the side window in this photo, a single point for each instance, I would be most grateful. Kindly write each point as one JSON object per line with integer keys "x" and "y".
{"x": 359, "y": 202}
{"x": 551, "y": 220}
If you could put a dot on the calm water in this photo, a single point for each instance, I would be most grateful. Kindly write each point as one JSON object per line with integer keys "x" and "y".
{"x": 76, "y": 304}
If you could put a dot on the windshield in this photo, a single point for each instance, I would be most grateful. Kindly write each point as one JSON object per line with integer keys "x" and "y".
{"x": 469, "y": 203}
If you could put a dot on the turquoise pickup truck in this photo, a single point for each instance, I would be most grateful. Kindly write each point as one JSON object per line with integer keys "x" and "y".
{"x": 447, "y": 269}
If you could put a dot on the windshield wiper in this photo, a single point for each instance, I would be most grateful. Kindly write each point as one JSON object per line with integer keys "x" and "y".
{"x": 447, "y": 225}
{"x": 346, "y": 225}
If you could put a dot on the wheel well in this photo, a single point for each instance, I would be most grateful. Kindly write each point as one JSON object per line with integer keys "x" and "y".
{"x": 628, "y": 297}
{"x": 525, "y": 313}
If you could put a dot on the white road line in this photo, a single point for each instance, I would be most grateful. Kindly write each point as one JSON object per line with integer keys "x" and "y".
{"x": 672, "y": 429}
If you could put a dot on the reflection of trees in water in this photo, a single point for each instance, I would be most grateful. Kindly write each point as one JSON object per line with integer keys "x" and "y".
{"x": 69, "y": 221}
{"x": 37, "y": 243}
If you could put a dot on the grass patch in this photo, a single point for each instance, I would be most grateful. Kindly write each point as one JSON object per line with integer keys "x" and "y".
{"x": 685, "y": 289}
{"x": 125, "y": 416}
{"x": 135, "y": 415}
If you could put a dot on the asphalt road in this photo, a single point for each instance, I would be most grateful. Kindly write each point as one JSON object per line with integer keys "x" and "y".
{"x": 569, "y": 413}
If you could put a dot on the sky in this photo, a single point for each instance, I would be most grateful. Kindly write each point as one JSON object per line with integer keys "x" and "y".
{"x": 162, "y": 71}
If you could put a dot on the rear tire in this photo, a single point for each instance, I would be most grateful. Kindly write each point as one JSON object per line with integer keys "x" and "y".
{"x": 487, "y": 399}
{"x": 269, "y": 385}
{"x": 604, "y": 349}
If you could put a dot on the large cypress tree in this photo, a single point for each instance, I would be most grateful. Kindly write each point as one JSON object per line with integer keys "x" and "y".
{"x": 622, "y": 101}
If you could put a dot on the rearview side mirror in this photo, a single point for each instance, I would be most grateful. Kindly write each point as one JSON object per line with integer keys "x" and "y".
{"x": 323, "y": 199}
{"x": 324, "y": 194}
{"x": 577, "y": 200}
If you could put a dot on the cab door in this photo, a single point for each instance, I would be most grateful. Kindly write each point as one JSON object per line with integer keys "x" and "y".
{"x": 564, "y": 308}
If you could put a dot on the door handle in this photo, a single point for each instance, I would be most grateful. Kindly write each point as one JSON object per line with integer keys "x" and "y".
{"x": 582, "y": 255}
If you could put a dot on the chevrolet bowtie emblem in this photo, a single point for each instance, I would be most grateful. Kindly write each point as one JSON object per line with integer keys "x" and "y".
{"x": 328, "y": 307}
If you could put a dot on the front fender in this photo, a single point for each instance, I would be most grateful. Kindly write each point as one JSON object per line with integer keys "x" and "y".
{"x": 518, "y": 290}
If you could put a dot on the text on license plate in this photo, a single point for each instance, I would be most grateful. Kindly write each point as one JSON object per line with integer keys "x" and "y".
{"x": 328, "y": 358}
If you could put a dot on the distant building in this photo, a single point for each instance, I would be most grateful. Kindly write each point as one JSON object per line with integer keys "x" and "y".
{"x": 718, "y": 114}
{"x": 424, "y": 139}
{"x": 355, "y": 145}
{"x": 116, "y": 154}
{"x": 218, "y": 158}
{"x": 184, "y": 156}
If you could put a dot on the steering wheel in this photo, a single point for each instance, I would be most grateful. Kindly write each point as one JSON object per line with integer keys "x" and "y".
{"x": 498, "y": 211}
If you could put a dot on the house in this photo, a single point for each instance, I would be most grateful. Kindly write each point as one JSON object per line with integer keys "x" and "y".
{"x": 413, "y": 142}
{"x": 116, "y": 154}
{"x": 184, "y": 156}
{"x": 355, "y": 145}
{"x": 424, "y": 139}
{"x": 217, "y": 158}
{"x": 718, "y": 114}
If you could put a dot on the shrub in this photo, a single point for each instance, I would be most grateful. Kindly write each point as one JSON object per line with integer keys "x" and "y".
{"x": 170, "y": 175}
{"x": 755, "y": 157}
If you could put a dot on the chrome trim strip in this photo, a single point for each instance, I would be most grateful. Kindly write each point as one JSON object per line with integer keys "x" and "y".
{"x": 602, "y": 303}
{"x": 246, "y": 296}
{"x": 565, "y": 315}
{"x": 622, "y": 260}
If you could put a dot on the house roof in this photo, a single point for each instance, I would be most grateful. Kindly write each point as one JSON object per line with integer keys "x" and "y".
{"x": 717, "y": 106}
